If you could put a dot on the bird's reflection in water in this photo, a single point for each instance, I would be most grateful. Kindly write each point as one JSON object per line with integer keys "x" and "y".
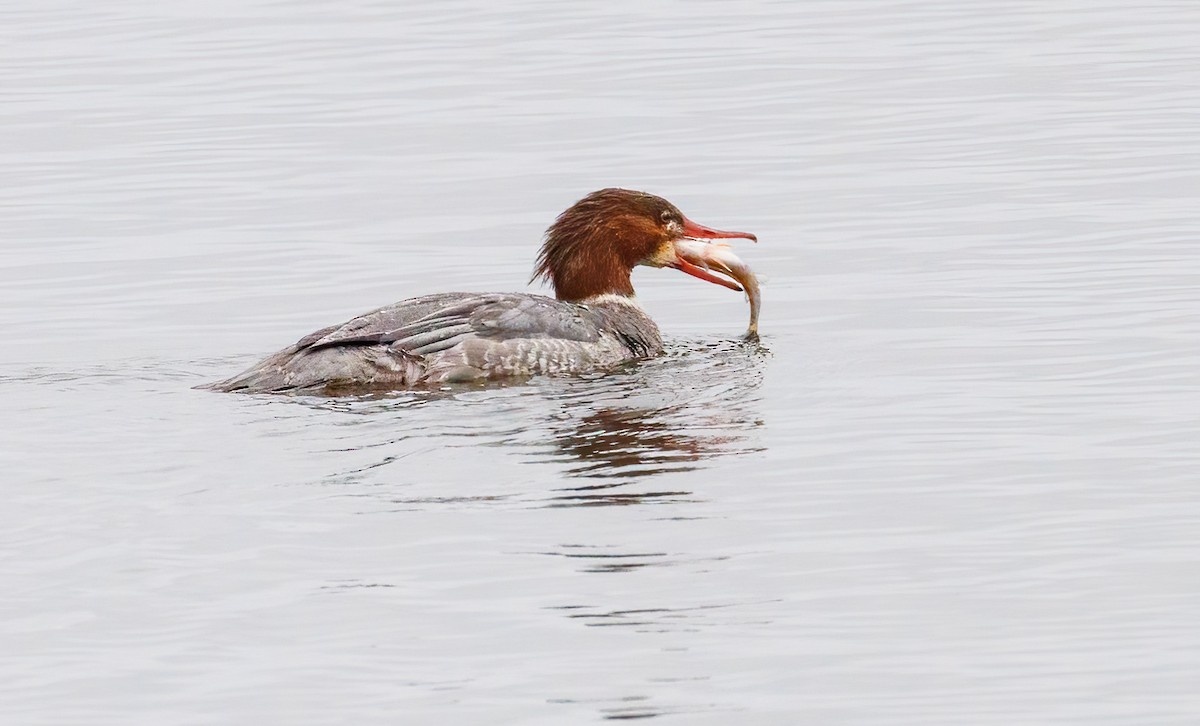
{"x": 617, "y": 434}
{"x": 625, "y": 446}
{"x": 670, "y": 415}
{"x": 613, "y": 442}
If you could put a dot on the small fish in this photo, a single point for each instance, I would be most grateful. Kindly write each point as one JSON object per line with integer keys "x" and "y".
{"x": 719, "y": 257}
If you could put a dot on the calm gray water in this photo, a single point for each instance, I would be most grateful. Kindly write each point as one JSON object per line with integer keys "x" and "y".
{"x": 956, "y": 484}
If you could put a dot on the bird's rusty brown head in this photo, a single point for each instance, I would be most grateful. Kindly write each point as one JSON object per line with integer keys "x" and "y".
{"x": 593, "y": 246}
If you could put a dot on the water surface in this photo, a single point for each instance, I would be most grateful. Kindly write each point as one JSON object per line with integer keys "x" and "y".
{"x": 956, "y": 482}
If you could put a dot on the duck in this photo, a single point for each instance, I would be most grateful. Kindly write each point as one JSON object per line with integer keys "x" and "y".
{"x": 593, "y": 323}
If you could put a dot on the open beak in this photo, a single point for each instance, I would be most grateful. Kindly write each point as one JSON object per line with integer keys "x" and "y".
{"x": 687, "y": 255}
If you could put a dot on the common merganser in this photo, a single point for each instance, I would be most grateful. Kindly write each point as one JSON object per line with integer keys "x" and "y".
{"x": 595, "y": 323}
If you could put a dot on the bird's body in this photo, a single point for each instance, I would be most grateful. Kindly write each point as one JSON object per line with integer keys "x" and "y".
{"x": 456, "y": 338}
{"x": 595, "y": 324}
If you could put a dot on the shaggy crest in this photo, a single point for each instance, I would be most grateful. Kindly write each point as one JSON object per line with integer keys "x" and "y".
{"x": 592, "y": 246}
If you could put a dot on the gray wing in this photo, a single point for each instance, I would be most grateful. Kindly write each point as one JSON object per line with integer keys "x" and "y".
{"x": 435, "y": 323}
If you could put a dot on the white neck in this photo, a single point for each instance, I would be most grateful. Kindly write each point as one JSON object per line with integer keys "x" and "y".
{"x": 609, "y": 298}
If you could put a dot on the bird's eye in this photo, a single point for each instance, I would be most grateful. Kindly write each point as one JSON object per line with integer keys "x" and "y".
{"x": 666, "y": 215}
